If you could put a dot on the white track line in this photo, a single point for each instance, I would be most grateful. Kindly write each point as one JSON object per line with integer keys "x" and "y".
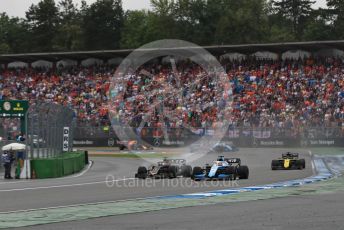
{"x": 65, "y": 185}
{"x": 90, "y": 164}
{"x": 16, "y": 182}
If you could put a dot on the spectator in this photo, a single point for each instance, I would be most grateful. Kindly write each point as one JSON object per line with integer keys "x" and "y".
{"x": 289, "y": 94}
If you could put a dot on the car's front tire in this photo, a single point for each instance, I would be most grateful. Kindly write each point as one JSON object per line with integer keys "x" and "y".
{"x": 274, "y": 164}
{"x": 141, "y": 172}
{"x": 196, "y": 171}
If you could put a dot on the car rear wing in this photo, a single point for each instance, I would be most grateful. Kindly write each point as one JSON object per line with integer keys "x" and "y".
{"x": 176, "y": 161}
{"x": 290, "y": 155}
{"x": 233, "y": 160}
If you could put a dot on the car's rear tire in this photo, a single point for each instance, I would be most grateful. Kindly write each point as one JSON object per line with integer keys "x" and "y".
{"x": 274, "y": 164}
{"x": 173, "y": 170}
{"x": 186, "y": 170}
{"x": 243, "y": 172}
{"x": 142, "y": 172}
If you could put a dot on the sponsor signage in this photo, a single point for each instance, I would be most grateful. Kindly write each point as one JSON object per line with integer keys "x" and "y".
{"x": 83, "y": 142}
{"x": 173, "y": 143}
{"x": 237, "y": 142}
{"x": 334, "y": 142}
{"x": 13, "y": 108}
{"x": 95, "y": 142}
{"x": 321, "y": 142}
{"x": 271, "y": 143}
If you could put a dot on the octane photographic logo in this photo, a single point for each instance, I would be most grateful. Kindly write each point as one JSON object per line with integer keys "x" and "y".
{"x": 143, "y": 93}
{"x": 112, "y": 181}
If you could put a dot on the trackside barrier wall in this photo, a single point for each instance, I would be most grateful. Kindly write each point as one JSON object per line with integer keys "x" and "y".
{"x": 66, "y": 164}
{"x": 238, "y": 142}
{"x": 89, "y": 136}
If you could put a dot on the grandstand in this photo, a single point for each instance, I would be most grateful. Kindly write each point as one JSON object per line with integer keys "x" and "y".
{"x": 289, "y": 86}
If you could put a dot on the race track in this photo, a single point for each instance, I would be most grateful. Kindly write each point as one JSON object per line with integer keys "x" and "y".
{"x": 307, "y": 212}
{"x": 91, "y": 187}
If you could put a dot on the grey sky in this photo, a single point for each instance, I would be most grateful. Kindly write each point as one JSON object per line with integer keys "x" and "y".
{"x": 18, "y": 7}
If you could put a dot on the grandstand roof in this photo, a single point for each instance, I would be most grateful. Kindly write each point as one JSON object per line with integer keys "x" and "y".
{"x": 312, "y": 46}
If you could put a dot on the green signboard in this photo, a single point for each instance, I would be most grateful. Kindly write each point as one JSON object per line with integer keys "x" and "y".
{"x": 13, "y": 108}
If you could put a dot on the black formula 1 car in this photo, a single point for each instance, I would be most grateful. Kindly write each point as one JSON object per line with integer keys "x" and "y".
{"x": 222, "y": 169}
{"x": 288, "y": 161}
{"x": 167, "y": 168}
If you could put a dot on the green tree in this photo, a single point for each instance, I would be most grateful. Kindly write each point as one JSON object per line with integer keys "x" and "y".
{"x": 161, "y": 23}
{"x": 297, "y": 11}
{"x": 69, "y": 36}
{"x": 336, "y": 10}
{"x": 219, "y": 21}
{"x": 205, "y": 16}
{"x": 278, "y": 26}
{"x": 189, "y": 15}
{"x": 246, "y": 22}
{"x": 318, "y": 27}
{"x": 102, "y": 23}
{"x": 134, "y": 29}
{"x": 13, "y": 35}
{"x": 43, "y": 23}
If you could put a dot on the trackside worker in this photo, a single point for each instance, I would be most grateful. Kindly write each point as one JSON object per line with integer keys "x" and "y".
{"x": 7, "y": 160}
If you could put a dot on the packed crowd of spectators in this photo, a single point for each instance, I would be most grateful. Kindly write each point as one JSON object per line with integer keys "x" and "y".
{"x": 81, "y": 89}
{"x": 264, "y": 93}
{"x": 289, "y": 94}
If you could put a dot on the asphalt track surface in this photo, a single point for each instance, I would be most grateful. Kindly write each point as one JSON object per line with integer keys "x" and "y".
{"x": 90, "y": 187}
{"x": 316, "y": 212}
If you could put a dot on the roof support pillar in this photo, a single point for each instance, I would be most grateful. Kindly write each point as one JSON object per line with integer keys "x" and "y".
{"x": 4, "y": 66}
{"x": 279, "y": 55}
{"x": 54, "y": 65}
{"x": 105, "y": 60}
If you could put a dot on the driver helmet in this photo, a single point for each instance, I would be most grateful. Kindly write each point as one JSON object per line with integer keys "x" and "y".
{"x": 221, "y": 158}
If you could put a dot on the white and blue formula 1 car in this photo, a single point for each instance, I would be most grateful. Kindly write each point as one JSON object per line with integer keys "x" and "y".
{"x": 222, "y": 169}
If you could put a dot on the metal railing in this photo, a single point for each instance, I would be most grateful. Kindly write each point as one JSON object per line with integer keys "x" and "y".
{"x": 45, "y": 124}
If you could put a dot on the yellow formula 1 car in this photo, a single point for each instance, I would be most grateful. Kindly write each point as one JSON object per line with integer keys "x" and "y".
{"x": 288, "y": 161}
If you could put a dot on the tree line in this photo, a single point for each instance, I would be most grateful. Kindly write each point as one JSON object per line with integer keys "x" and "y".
{"x": 65, "y": 26}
